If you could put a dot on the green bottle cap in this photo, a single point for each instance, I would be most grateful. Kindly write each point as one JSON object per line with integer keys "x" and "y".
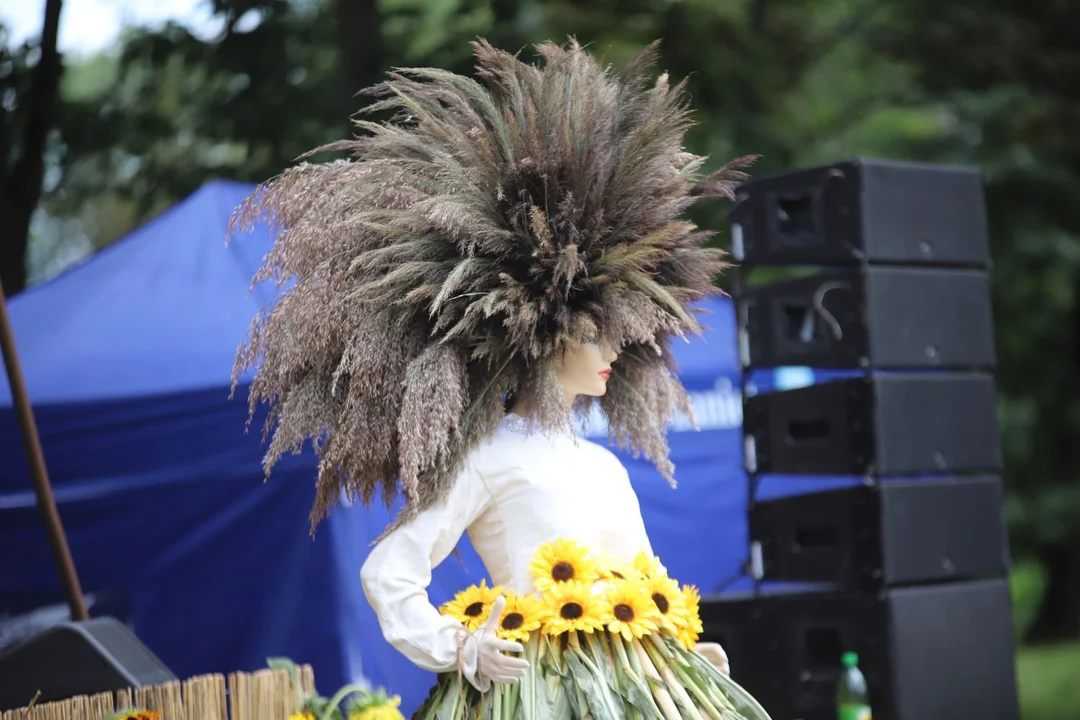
{"x": 850, "y": 659}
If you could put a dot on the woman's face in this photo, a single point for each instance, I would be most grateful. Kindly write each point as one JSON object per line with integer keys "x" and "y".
{"x": 585, "y": 368}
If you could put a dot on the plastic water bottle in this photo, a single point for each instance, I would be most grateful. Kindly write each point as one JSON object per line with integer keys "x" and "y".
{"x": 852, "y": 700}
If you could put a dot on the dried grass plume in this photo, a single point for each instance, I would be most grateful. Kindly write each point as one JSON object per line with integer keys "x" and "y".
{"x": 468, "y": 240}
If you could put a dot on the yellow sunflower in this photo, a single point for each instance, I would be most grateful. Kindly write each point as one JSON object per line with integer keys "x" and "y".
{"x": 523, "y": 614}
{"x": 562, "y": 561}
{"x": 611, "y": 569}
{"x": 379, "y": 711}
{"x": 689, "y": 630}
{"x": 572, "y": 605}
{"x": 630, "y": 611}
{"x": 472, "y": 605}
{"x": 670, "y": 602}
{"x": 648, "y": 565}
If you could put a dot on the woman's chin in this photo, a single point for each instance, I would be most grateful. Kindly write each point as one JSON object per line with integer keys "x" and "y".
{"x": 597, "y": 390}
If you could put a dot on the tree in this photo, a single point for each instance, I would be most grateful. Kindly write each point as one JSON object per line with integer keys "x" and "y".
{"x": 149, "y": 123}
{"x": 1009, "y": 75}
{"x": 27, "y": 114}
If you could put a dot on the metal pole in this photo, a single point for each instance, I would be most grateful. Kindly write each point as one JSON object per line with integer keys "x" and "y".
{"x": 32, "y": 443}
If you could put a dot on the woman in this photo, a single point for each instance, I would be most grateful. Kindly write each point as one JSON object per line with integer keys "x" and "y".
{"x": 515, "y": 242}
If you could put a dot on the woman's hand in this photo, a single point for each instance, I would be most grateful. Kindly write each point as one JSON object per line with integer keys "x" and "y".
{"x": 492, "y": 664}
{"x": 715, "y": 655}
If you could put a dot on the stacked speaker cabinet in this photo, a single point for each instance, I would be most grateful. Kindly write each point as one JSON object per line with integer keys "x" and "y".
{"x": 879, "y": 273}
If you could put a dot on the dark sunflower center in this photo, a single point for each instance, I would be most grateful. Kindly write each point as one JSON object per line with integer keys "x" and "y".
{"x": 475, "y": 610}
{"x": 571, "y": 611}
{"x": 623, "y": 613}
{"x": 662, "y": 603}
{"x": 562, "y": 571}
{"x": 513, "y": 621}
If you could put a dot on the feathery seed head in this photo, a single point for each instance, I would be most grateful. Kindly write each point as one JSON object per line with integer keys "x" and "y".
{"x": 469, "y": 240}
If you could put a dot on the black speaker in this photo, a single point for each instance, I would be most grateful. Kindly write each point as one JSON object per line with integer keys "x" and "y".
{"x": 732, "y": 620}
{"x": 863, "y": 211}
{"x": 937, "y": 651}
{"x": 894, "y": 532}
{"x": 887, "y": 424}
{"x": 874, "y": 316}
{"x": 77, "y": 658}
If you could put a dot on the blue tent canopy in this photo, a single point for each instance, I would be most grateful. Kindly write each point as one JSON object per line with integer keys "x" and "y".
{"x": 128, "y": 359}
{"x": 160, "y": 311}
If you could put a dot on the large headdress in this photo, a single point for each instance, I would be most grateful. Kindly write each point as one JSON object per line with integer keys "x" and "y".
{"x": 469, "y": 240}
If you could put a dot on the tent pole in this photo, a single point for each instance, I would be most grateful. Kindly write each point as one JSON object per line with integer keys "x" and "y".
{"x": 32, "y": 443}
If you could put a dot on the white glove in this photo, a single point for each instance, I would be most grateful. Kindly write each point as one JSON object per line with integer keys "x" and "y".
{"x": 492, "y": 664}
{"x": 715, "y": 655}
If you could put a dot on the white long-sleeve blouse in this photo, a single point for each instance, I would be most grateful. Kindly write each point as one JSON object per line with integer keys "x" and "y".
{"x": 517, "y": 491}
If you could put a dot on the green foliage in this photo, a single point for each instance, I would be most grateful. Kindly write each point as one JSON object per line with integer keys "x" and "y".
{"x": 1047, "y": 682}
{"x": 1027, "y": 582}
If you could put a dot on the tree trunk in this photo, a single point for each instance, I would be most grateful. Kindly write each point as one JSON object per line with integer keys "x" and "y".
{"x": 20, "y": 187}
{"x": 1058, "y": 616}
{"x": 360, "y": 50}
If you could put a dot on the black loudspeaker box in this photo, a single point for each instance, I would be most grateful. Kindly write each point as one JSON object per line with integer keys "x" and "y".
{"x": 863, "y": 211}
{"x": 77, "y": 658}
{"x": 884, "y": 424}
{"x": 874, "y": 316}
{"x": 930, "y": 651}
{"x": 889, "y": 533}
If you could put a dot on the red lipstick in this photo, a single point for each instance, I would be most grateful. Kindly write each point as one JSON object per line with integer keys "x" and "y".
{"x": 606, "y": 374}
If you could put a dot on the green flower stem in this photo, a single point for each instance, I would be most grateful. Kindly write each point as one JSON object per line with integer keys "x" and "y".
{"x": 657, "y": 641}
{"x": 529, "y": 710}
{"x": 663, "y": 697}
{"x": 487, "y": 700}
{"x": 583, "y": 705}
{"x": 707, "y": 677}
{"x": 610, "y": 705}
{"x": 556, "y": 651}
{"x": 515, "y": 697}
{"x": 633, "y": 676}
{"x": 604, "y": 657}
{"x": 327, "y": 713}
{"x": 664, "y": 667}
{"x": 461, "y": 696}
{"x": 602, "y": 648}
{"x": 747, "y": 705}
{"x": 703, "y": 701}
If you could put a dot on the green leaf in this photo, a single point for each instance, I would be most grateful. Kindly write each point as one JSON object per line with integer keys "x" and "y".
{"x": 283, "y": 663}
{"x": 587, "y": 677}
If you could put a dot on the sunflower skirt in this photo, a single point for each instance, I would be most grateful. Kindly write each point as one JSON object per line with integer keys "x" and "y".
{"x": 603, "y": 676}
{"x": 604, "y": 640}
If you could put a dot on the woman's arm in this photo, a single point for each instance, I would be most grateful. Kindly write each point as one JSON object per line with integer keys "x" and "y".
{"x": 397, "y": 573}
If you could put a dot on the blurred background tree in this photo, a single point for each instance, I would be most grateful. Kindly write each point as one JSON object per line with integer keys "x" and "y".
{"x": 986, "y": 82}
{"x": 1010, "y": 75}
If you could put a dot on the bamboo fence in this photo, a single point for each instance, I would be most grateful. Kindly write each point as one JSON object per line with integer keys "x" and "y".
{"x": 262, "y": 695}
